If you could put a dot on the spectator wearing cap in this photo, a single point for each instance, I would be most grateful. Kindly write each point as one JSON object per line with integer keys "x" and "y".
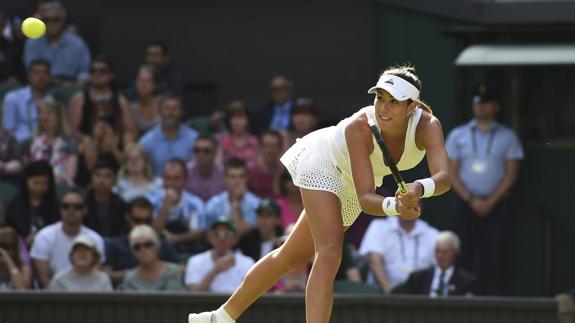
{"x": 19, "y": 108}
{"x": 51, "y": 248}
{"x": 106, "y": 209}
{"x": 205, "y": 174}
{"x": 236, "y": 203}
{"x": 484, "y": 161}
{"x": 304, "y": 119}
{"x": 84, "y": 275}
{"x": 238, "y": 141}
{"x": 152, "y": 274}
{"x": 66, "y": 52}
{"x": 120, "y": 257}
{"x": 261, "y": 240}
{"x": 264, "y": 172}
{"x": 444, "y": 278}
{"x": 220, "y": 269}
{"x": 276, "y": 114}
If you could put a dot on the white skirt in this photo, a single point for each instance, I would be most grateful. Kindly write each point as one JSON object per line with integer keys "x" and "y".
{"x": 312, "y": 164}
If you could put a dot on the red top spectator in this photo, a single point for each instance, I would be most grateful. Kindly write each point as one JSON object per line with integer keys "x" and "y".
{"x": 264, "y": 172}
{"x": 238, "y": 142}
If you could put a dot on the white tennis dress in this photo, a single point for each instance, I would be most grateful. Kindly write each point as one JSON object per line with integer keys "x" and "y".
{"x": 320, "y": 161}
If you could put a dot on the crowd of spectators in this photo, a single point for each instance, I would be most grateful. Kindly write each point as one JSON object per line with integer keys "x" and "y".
{"x": 111, "y": 189}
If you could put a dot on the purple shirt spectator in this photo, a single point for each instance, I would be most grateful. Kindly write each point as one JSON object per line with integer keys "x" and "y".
{"x": 205, "y": 187}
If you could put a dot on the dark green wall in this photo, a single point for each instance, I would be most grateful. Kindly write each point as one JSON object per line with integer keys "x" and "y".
{"x": 402, "y": 36}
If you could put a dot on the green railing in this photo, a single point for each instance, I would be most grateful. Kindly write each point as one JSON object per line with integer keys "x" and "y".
{"x": 44, "y": 307}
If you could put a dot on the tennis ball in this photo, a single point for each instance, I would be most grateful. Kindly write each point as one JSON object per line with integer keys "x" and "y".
{"x": 33, "y": 28}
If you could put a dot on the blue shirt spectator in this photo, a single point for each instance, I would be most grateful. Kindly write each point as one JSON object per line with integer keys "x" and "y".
{"x": 482, "y": 168}
{"x": 276, "y": 115}
{"x": 69, "y": 57}
{"x": 66, "y": 52}
{"x": 171, "y": 138}
{"x": 220, "y": 206}
{"x": 20, "y": 109}
{"x": 162, "y": 148}
{"x": 187, "y": 214}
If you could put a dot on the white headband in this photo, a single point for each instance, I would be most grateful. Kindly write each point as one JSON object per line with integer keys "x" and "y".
{"x": 399, "y": 88}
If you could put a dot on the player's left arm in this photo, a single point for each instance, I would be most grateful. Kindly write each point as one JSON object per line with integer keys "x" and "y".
{"x": 429, "y": 136}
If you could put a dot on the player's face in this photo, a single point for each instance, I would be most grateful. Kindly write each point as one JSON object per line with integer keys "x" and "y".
{"x": 388, "y": 109}
{"x": 445, "y": 255}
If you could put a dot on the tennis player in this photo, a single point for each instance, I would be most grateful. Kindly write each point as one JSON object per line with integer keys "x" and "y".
{"x": 337, "y": 169}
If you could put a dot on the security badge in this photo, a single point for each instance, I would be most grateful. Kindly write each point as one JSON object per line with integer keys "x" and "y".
{"x": 479, "y": 166}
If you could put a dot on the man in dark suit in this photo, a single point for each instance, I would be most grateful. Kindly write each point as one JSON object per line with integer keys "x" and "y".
{"x": 261, "y": 240}
{"x": 443, "y": 279}
{"x": 276, "y": 115}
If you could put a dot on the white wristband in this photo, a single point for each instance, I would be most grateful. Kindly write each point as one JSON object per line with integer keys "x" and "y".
{"x": 388, "y": 206}
{"x": 428, "y": 185}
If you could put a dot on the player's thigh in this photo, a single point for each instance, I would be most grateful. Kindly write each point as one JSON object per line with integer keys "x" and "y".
{"x": 298, "y": 248}
{"x": 323, "y": 210}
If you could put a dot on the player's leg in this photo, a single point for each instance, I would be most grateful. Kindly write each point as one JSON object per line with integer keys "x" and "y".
{"x": 293, "y": 254}
{"x": 324, "y": 217}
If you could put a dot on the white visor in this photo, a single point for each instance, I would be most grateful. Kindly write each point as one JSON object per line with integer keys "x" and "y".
{"x": 399, "y": 88}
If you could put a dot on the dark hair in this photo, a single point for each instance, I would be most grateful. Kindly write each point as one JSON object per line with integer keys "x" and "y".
{"x": 76, "y": 191}
{"x": 178, "y": 162}
{"x": 407, "y": 72}
{"x": 37, "y": 62}
{"x": 170, "y": 96}
{"x": 237, "y": 108}
{"x": 161, "y": 44}
{"x": 234, "y": 162}
{"x": 140, "y": 202}
{"x": 104, "y": 60}
{"x": 209, "y": 138}
{"x": 106, "y": 161}
{"x": 40, "y": 168}
{"x": 272, "y": 133}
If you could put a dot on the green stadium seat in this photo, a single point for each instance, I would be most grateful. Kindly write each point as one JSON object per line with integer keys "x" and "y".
{"x": 354, "y": 288}
{"x": 7, "y": 192}
{"x": 64, "y": 94}
{"x": 200, "y": 124}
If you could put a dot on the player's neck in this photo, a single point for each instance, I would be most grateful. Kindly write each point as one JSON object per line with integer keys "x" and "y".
{"x": 394, "y": 133}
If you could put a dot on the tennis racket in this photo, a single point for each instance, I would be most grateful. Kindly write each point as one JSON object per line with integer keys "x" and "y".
{"x": 388, "y": 158}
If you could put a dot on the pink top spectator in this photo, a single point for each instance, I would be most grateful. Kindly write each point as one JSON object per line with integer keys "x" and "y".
{"x": 203, "y": 187}
{"x": 248, "y": 151}
{"x": 261, "y": 182}
{"x": 288, "y": 216}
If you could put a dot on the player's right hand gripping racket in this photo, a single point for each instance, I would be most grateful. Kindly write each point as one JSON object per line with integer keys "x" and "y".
{"x": 387, "y": 157}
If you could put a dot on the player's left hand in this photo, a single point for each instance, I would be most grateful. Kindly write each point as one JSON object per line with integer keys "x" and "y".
{"x": 411, "y": 198}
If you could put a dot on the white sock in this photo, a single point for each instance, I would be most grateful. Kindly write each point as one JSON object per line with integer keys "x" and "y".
{"x": 222, "y": 316}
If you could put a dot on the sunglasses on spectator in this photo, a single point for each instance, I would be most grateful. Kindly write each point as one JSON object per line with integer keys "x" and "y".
{"x": 222, "y": 234}
{"x": 198, "y": 150}
{"x": 148, "y": 244}
{"x": 68, "y": 206}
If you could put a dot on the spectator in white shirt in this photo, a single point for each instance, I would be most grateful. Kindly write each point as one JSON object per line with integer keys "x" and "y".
{"x": 395, "y": 248}
{"x": 221, "y": 269}
{"x": 51, "y": 248}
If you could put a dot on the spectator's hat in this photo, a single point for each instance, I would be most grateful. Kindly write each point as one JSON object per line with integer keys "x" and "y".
{"x": 88, "y": 242}
{"x": 269, "y": 205}
{"x": 84, "y": 240}
{"x": 225, "y": 222}
{"x": 485, "y": 93}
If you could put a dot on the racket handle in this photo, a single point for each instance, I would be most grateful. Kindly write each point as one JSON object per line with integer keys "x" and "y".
{"x": 402, "y": 188}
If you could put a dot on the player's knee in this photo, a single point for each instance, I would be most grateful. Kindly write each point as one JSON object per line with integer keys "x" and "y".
{"x": 330, "y": 255}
